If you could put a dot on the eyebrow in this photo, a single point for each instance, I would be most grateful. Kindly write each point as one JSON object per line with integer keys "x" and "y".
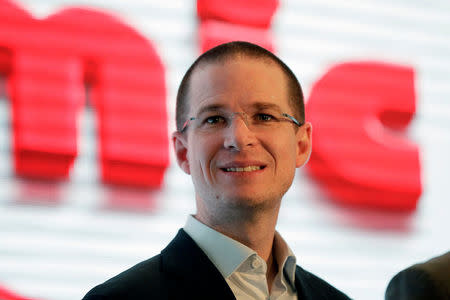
{"x": 210, "y": 107}
{"x": 256, "y": 106}
{"x": 265, "y": 105}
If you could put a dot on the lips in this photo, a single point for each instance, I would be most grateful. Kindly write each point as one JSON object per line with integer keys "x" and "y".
{"x": 243, "y": 167}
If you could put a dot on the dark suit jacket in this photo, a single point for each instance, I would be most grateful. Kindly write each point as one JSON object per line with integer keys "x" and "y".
{"x": 183, "y": 271}
{"x": 428, "y": 280}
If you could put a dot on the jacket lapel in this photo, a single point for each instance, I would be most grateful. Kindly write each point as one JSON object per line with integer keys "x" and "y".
{"x": 311, "y": 287}
{"x": 195, "y": 275}
{"x": 304, "y": 283}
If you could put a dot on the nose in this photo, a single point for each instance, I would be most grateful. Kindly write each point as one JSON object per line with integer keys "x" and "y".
{"x": 238, "y": 134}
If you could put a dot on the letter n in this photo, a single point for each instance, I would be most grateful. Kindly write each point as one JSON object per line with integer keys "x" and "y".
{"x": 50, "y": 61}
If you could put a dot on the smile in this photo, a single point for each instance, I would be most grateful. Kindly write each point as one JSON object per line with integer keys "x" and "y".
{"x": 245, "y": 169}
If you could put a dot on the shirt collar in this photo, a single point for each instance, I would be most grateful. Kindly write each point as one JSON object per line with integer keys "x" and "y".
{"x": 285, "y": 258}
{"x": 224, "y": 252}
{"x": 227, "y": 254}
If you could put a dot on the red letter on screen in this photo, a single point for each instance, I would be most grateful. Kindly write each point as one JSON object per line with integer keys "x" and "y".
{"x": 358, "y": 111}
{"x": 51, "y": 61}
{"x": 6, "y": 294}
{"x": 244, "y": 20}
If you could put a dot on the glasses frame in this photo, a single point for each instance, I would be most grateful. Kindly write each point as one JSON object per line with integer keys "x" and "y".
{"x": 290, "y": 118}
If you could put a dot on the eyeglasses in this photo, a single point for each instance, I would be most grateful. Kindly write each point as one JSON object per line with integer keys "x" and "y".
{"x": 215, "y": 121}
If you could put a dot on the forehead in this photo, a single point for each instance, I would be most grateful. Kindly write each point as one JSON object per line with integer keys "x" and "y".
{"x": 237, "y": 81}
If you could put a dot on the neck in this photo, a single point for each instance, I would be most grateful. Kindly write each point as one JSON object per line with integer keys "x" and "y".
{"x": 253, "y": 228}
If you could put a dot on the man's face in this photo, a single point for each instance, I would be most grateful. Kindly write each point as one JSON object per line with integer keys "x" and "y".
{"x": 215, "y": 159}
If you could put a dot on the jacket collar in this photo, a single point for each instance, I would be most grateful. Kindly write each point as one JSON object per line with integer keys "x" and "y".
{"x": 196, "y": 275}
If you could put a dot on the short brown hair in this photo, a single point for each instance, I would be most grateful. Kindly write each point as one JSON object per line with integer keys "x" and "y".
{"x": 230, "y": 50}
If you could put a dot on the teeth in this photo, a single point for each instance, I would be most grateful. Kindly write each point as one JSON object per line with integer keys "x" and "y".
{"x": 246, "y": 169}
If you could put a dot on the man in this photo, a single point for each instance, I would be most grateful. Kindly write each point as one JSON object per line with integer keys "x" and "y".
{"x": 241, "y": 133}
{"x": 423, "y": 281}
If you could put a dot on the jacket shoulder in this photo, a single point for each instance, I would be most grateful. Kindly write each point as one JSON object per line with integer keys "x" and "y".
{"x": 310, "y": 286}
{"x": 142, "y": 280}
{"x": 427, "y": 280}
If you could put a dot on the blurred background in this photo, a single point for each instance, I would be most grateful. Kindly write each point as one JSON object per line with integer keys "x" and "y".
{"x": 60, "y": 238}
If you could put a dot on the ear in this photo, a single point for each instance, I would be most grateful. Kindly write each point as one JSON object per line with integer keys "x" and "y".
{"x": 304, "y": 144}
{"x": 180, "y": 146}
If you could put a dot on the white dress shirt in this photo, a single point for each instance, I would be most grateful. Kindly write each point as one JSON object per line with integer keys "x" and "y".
{"x": 243, "y": 269}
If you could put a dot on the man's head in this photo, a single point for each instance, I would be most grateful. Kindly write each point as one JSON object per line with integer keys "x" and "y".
{"x": 240, "y": 146}
{"x": 231, "y": 50}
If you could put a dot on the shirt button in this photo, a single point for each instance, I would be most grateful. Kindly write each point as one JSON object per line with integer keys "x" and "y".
{"x": 255, "y": 263}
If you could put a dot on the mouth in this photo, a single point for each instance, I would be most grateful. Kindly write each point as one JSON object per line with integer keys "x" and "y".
{"x": 243, "y": 169}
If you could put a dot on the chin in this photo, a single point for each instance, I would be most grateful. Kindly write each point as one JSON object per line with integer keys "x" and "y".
{"x": 245, "y": 201}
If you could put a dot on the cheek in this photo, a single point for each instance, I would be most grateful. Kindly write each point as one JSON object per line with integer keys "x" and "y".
{"x": 286, "y": 154}
{"x": 201, "y": 154}
{"x": 280, "y": 142}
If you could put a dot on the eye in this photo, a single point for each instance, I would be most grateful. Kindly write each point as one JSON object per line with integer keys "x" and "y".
{"x": 262, "y": 117}
{"x": 214, "y": 120}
